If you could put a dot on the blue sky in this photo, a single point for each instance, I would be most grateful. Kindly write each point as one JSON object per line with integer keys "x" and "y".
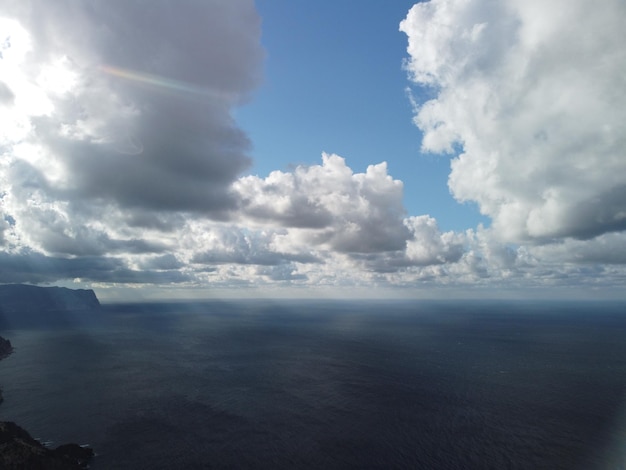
{"x": 270, "y": 148}
{"x": 334, "y": 82}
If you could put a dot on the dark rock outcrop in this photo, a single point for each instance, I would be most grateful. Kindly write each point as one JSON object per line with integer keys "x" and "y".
{"x": 5, "y": 350}
{"x": 5, "y": 347}
{"x": 18, "y": 450}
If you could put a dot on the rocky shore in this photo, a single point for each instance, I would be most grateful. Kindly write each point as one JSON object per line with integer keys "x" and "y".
{"x": 5, "y": 349}
{"x": 18, "y": 451}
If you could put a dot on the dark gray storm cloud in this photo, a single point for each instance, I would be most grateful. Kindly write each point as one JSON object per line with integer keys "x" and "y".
{"x": 147, "y": 121}
{"x": 602, "y": 213}
{"x": 31, "y": 267}
{"x": 162, "y": 262}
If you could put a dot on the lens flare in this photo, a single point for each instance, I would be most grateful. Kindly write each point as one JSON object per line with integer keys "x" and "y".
{"x": 162, "y": 82}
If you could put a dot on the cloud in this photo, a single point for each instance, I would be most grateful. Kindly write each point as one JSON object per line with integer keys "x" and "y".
{"x": 606, "y": 249}
{"x": 429, "y": 246}
{"x": 344, "y": 211}
{"x": 237, "y": 245}
{"x": 426, "y": 246}
{"x": 32, "y": 267}
{"x": 6, "y": 95}
{"x": 162, "y": 262}
{"x": 116, "y": 127}
{"x": 168, "y": 143}
{"x": 532, "y": 95}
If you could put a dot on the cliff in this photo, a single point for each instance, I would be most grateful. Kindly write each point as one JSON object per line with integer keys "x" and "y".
{"x": 26, "y": 298}
{"x": 24, "y": 305}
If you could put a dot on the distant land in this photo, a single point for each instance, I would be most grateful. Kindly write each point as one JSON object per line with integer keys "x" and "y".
{"x": 23, "y": 305}
{"x": 24, "y": 298}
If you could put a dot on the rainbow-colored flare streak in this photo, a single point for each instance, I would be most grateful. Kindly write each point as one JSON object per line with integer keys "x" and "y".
{"x": 160, "y": 81}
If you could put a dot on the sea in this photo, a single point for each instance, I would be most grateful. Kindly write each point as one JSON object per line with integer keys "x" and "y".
{"x": 261, "y": 384}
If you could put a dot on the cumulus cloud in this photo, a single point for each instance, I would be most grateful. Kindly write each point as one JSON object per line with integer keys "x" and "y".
{"x": 533, "y": 96}
{"x": 320, "y": 223}
{"x": 116, "y": 128}
{"x": 351, "y": 213}
{"x": 429, "y": 246}
{"x": 116, "y": 120}
{"x": 237, "y": 245}
{"x": 129, "y": 103}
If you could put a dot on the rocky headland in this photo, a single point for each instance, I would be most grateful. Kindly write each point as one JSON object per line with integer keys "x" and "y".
{"x": 23, "y": 305}
{"x": 26, "y": 298}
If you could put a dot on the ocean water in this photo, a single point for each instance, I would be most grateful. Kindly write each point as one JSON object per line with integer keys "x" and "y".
{"x": 332, "y": 385}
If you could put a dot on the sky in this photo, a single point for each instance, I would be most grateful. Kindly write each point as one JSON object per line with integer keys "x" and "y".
{"x": 442, "y": 149}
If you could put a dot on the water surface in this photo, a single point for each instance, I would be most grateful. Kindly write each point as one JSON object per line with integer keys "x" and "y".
{"x": 263, "y": 384}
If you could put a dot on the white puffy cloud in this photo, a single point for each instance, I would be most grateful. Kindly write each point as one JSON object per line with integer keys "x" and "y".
{"x": 533, "y": 94}
{"x": 336, "y": 208}
{"x": 323, "y": 224}
{"x": 429, "y": 246}
{"x": 239, "y": 245}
